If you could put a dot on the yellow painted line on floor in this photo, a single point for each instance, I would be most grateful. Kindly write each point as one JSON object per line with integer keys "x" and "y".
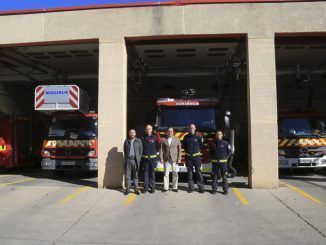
{"x": 302, "y": 193}
{"x": 6, "y": 175}
{"x": 240, "y": 196}
{"x": 130, "y": 199}
{"x": 73, "y": 195}
{"x": 16, "y": 182}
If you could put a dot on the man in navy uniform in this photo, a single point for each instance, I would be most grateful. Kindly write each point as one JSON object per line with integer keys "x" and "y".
{"x": 149, "y": 161}
{"x": 192, "y": 144}
{"x": 221, "y": 151}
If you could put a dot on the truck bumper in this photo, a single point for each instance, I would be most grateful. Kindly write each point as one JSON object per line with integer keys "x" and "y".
{"x": 306, "y": 162}
{"x": 71, "y": 164}
{"x": 205, "y": 168}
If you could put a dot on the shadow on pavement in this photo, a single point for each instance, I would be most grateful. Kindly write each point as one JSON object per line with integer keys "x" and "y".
{"x": 240, "y": 185}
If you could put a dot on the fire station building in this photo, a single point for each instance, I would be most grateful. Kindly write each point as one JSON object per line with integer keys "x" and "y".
{"x": 262, "y": 45}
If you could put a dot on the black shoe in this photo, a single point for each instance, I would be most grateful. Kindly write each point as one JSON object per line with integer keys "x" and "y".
{"x": 201, "y": 191}
{"x": 144, "y": 191}
{"x": 126, "y": 193}
{"x": 137, "y": 192}
{"x": 213, "y": 192}
{"x": 152, "y": 191}
{"x": 225, "y": 192}
{"x": 175, "y": 190}
{"x": 190, "y": 191}
{"x": 164, "y": 190}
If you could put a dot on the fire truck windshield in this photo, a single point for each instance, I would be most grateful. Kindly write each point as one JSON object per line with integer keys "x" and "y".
{"x": 301, "y": 127}
{"x": 203, "y": 118}
{"x": 73, "y": 128}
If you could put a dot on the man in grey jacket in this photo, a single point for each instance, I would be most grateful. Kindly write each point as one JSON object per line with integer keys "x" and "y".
{"x": 133, "y": 151}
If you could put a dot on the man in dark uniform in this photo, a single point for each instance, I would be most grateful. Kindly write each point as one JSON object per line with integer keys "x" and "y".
{"x": 149, "y": 161}
{"x": 192, "y": 144}
{"x": 221, "y": 151}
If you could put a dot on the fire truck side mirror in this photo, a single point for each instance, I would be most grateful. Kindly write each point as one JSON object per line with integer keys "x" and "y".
{"x": 157, "y": 118}
{"x": 227, "y": 117}
{"x": 321, "y": 126}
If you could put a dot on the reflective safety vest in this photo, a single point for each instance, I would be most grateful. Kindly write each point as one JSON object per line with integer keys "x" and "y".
{"x": 193, "y": 155}
{"x": 192, "y": 144}
{"x": 149, "y": 156}
{"x": 220, "y": 161}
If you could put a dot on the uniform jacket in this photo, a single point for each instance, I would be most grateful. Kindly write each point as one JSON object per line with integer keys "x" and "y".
{"x": 220, "y": 149}
{"x": 173, "y": 150}
{"x": 150, "y": 144}
{"x": 138, "y": 147}
{"x": 192, "y": 143}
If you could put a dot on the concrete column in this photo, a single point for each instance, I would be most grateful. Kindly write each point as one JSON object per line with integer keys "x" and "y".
{"x": 112, "y": 108}
{"x": 262, "y": 110}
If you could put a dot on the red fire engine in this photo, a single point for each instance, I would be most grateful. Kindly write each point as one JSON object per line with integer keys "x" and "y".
{"x": 20, "y": 141}
{"x": 71, "y": 139}
{"x": 179, "y": 113}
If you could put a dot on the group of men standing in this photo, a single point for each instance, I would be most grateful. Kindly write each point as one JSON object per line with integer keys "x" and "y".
{"x": 144, "y": 152}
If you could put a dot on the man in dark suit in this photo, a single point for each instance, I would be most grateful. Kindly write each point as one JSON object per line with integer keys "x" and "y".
{"x": 133, "y": 151}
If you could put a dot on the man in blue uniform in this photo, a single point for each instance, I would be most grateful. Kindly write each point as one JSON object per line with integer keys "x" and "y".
{"x": 221, "y": 151}
{"x": 192, "y": 144}
{"x": 150, "y": 149}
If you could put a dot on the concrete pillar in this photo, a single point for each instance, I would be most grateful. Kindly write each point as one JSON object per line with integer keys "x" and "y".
{"x": 262, "y": 113}
{"x": 112, "y": 108}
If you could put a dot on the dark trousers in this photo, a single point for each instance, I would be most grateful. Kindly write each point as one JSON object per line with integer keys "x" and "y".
{"x": 191, "y": 163}
{"x": 131, "y": 173}
{"x": 149, "y": 166}
{"x": 222, "y": 167}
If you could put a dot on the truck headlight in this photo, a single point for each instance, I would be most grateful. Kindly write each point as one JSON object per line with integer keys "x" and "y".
{"x": 47, "y": 164}
{"x": 91, "y": 153}
{"x": 46, "y": 154}
{"x": 92, "y": 164}
{"x": 281, "y": 152}
{"x": 283, "y": 162}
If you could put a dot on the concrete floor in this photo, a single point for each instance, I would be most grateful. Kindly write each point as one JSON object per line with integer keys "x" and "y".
{"x": 38, "y": 209}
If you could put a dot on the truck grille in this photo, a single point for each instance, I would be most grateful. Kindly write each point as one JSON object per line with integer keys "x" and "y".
{"x": 69, "y": 152}
{"x": 68, "y": 167}
{"x": 309, "y": 153}
{"x": 304, "y": 164}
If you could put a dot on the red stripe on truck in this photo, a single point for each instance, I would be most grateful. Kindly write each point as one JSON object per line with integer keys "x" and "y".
{"x": 75, "y": 88}
{"x": 38, "y": 88}
{"x": 40, "y": 96}
{"x": 39, "y": 104}
{"x": 73, "y": 95}
{"x": 72, "y": 104}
